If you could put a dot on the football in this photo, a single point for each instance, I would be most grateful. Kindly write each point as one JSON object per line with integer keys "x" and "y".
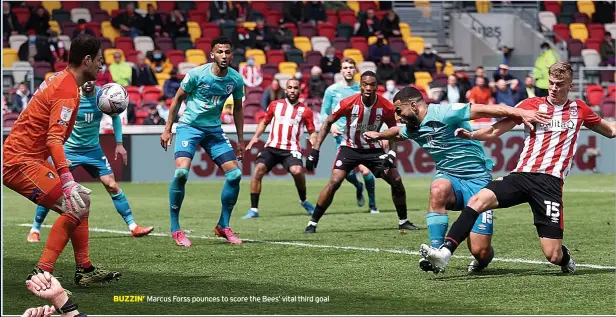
{"x": 112, "y": 99}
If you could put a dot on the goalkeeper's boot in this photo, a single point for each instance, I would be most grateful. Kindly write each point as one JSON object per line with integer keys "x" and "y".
{"x": 34, "y": 236}
{"x": 140, "y": 231}
{"x": 407, "y": 225}
{"x": 569, "y": 267}
{"x": 360, "y": 195}
{"x": 94, "y": 275}
{"x": 180, "y": 239}
{"x": 227, "y": 234}
{"x": 439, "y": 258}
{"x": 251, "y": 214}
{"x": 308, "y": 207}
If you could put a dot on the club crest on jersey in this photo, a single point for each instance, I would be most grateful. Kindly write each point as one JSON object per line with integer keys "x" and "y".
{"x": 355, "y": 111}
{"x": 573, "y": 112}
{"x": 66, "y": 113}
{"x": 185, "y": 143}
{"x": 229, "y": 89}
{"x": 379, "y": 114}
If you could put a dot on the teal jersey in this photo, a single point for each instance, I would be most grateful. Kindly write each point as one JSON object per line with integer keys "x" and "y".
{"x": 331, "y": 101}
{"x": 207, "y": 94}
{"x": 453, "y": 156}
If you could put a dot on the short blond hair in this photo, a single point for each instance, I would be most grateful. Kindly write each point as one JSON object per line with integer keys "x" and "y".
{"x": 348, "y": 60}
{"x": 561, "y": 70}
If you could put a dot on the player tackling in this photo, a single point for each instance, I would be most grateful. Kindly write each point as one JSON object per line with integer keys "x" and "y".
{"x": 83, "y": 149}
{"x": 205, "y": 89}
{"x": 363, "y": 112}
{"x": 40, "y": 131}
{"x": 461, "y": 165}
{"x": 289, "y": 117}
{"x": 539, "y": 176}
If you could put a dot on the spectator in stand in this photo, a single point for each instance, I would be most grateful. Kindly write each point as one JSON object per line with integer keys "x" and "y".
{"x": 479, "y": 72}
{"x": 283, "y": 37}
{"x": 242, "y": 11}
{"x": 33, "y": 51}
{"x": 5, "y": 106}
{"x": 379, "y": 49}
{"x": 163, "y": 109}
{"x": 503, "y": 73}
{"x": 129, "y": 22}
{"x": 604, "y": 12}
{"x": 385, "y": 70}
{"x": 242, "y": 38}
{"x": 220, "y": 12}
{"x": 82, "y": 29}
{"x": 39, "y": 21}
{"x": 158, "y": 61}
{"x": 390, "y": 90}
{"x": 504, "y": 94}
{"x": 172, "y": 84}
{"x": 390, "y": 26}
{"x": 316, "y": 83}
{"x": 104, "y": 76}
{"x": 251, "y": 73}
{"x": 120, "y": 71}
{"x": 426, "y": 62}
{"x": 153, "y": 24}
{"x": 226, "y": 117}
{"x": 177, "y": 26}
{"x": 314, "y": 11}
{"x": 262, "y": 36}
{"x": 607, "y": 49}
{"x": 452, "y": 92}
{"x": 56, "y": 47}
{"x": 273, "y": 92}
{"x": 330, "y": 63}
{"x": 405, "y": 73}
{"x": 142, "y": 73}
{"x": 154, "y": 117}
{"x": 21, "y": 98}
{"x": 507, "y": 51}
{"x": 528, "y": 91}
{"x": 293, "y": 11}
{"x": 546, "y": 58}
{"x": 463, "y": 82}
{"x": 481, "y": 93}
{"x": 369, "y": 26}
{"x": 10, "y": 23}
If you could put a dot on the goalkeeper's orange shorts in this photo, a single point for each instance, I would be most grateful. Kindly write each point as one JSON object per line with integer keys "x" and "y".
{"x": 35, "y": 180}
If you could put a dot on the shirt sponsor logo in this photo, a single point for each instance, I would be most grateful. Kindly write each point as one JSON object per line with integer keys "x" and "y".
{"x": 66, "y": 113}
{"x": 558, "y": 124}
{"x": 62, "y": 123}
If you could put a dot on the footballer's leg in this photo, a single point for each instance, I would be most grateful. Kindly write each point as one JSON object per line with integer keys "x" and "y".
{"x": 255, "y": 190}
{"x": 398, "y": 195}
{"x": 122, "y": 207}
{"x": 326, "y": 197}
{"x": 297, "y": 171}
{"x": 370, "y": 188}
{"x": 351, "y": 177}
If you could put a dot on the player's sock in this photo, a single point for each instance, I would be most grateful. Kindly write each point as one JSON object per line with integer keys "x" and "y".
{"x": 80, "y": 239}
{"x": 59, "y": 234}
{"x": 254, "y": 200}
{"x": 566, "y": 256}
{"x": 318, "y": 213}
{"x": 461, "y": 228}
{"x": 302, "y": 195}
{"x": 437, "y": 227}
{"x": 228, "y": 197}
{"x": 39, "y": 217}
{"x": 369, "y": 181}
{"x": 123, "y": 208}
{"x": 176, "y": 196}
{"x": 351, "y": 178}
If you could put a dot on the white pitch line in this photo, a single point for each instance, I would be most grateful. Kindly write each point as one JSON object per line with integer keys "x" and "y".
{"x": 348, "y": 248}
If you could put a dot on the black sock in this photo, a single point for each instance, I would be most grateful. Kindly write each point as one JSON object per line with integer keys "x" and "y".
{"x": 401, "y": 211}
{"x": 254, "y": 200}
{"x": 461, "y": 228}
{"x": 566, "y": 256}
{"x": 318, "y": 213}
{"x": 302, "y": 195}
{"x": 85, "y": 269}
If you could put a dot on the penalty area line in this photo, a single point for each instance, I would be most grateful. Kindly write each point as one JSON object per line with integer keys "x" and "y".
{"x": 336, "y": 247}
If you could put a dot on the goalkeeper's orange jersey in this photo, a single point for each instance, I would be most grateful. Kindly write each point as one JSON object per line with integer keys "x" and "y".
{"x": 46, "y": 123}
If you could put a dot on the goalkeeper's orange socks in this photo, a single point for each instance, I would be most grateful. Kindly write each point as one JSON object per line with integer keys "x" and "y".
{"x": 81, "y": 244}
{"x": 59, "y": 235}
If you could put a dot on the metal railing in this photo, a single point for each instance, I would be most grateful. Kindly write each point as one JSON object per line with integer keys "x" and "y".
{"x": 582, "y": 76}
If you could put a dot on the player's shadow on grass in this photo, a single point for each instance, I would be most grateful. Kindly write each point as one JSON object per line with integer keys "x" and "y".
{"x": 515, "y": 272}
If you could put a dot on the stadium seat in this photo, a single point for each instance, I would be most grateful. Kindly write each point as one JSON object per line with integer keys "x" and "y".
{"x": 347, "y": 17}
{"x": 109, "y": 31}
{"x": 360, "y": 43}
{"x": 415, "y": 43}
{"x": 341, "y": 44}
{"x": 150, "y": 93}
{"x": 593, "y": 44}
{"x": 9, "y": 56}
{"x": 302, "y": 43}
{"x": 133, "y": 94}
{"x": 482, "y": 6}
{"x": 373, "y": 39}
{"x": 282, "y": 78}
{"x": 596, "y": 31}
{"x": 258, "y": 55}
{"x": 184, "y": 68}
{"x": 405, "y": 29}
{"x": 332, "y": 17}
{"x": 294, "y": 55}
{"x": 227, "y": 29}
{"x": 367, "y": 5}
{"x": 293, "y": 29}
{"x": 23, "y": 14}
{"x": 105, "y": 43}
{"x": 611, "y": 27}
{"x": 194, "y": 30}
{"x": 578, "y": 31}
{"x": 260, "y": 6}
{"x": 51, "y": 5}
{"x": 344, "y": 31}
{"x": 70, "y": 5}
{"x": 168, "y": 6}
{"x": 124, "y": 43}
{"x": 562, "y": 30}
{"x": 183, "y": 44}
{"x": 591, "y": 58}
{"x": 314, "y": 57}
{"x": 587, "y": 7}
{"x": 21, "y": 70}
{"x": 366, "y": 66}
{"x": 273, "y": 17}
{"x": 143, "y": 44}
{"x": 594, "y": 94}
{"x": 16, "y": 41}
{"x": 274, "y": 57}
{"x": 175, "y": 57}
{"x": 575, "y": 47}
{"x": 355, "y": 54}
{"x": 9, "y": 119}
{"x": 143, "y": 5}
{"x": 353, "y": 5}
{"x": 210, "y": 30}
{"x": 552, "y": 6}
{"x": 270, "y": 69}
{"x": 396, "y": 44}
{"x": 95, "y": 27}
{"x": 204, "y": 44}
{"x": 66, "y": 40}
{"x": 68, "y": 27}
{"x": 117, "y": 12}
{"x": 61, "y": 15}
{"x": 91, "y": 5}
{"x": 327, "y": 30}
{"x": 196, "y": 57}
{"x": 197, "y": 16}
{"x": 161, "y": 78}
{"x": 41, "y": 68}
{"x": 579, "y": 17}
{"x": 307, "y": 29}
{"x": 288, "y": 68}
{"x": 422, "y": 79}
{"x": 185, "y": 5}
{"x": 306, "y": 68}
{"x": 547, "y": 19}
{"x": 108, "y": 54}
{"x": 131, "y": 56}
{"x": 80, "y": 13}
{"x": 608, "y": 108}
{"x": 565, "y": 18}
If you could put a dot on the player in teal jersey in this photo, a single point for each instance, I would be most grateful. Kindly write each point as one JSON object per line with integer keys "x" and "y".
{"x": 461, "y": 165}
{"x": 83, "y": 149}
{"x": 205, "y": 89}
{"x": 331, "y": 100}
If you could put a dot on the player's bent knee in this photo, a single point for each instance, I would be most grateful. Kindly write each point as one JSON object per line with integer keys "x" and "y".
{"x": 296, "y": 171}
{"x": 112, "y": 187}
{"x": 439, "y": 192}
{"x": 480, "y": 251}
{"x": 234, "y": 176}
{"x": 553, "y": 253}
{"x": 181, "y": 173}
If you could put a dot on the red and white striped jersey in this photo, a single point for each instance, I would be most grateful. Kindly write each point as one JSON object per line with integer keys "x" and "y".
{"x": 287, "y": 124}
{"x": 361, "y": 118}
{"x": 549, "y": 149}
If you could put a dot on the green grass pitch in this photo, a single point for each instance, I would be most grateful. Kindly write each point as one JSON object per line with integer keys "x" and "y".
{"x": 355, "y": 264}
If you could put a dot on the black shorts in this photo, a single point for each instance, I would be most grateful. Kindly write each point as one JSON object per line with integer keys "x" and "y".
{"x": 544, "y": 194}
{"x": 349, "y": 158}
{"x": 271, "y": 156}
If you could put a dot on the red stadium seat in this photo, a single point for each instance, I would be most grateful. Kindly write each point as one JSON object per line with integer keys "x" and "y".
{"x": 68, "y": 28}
{"x": 164, "y": 43}
{"x": 562, "y": 30}
{"x": 150, "y": 92}
{"x": 133, "y": 94}
{"x": 116, "y": 12}
{"x": 33, "y": 3}
{"x": 100, "y": 15}
{"x": 131, "y": 56}
{"x": 396, "y": 44}
{"x": 293, "y": 29}
{"x": 313, "y": 57}
{"x": 269, "y": 69}
{"x": 367, "y": 5}
{"x": 608, "y": 108}
{"x": 267, "y": 80}
{"x": 260, "y": 6}
{"x": 210, "y": 30}
{"x": 124, "y": 43}
{"x": 594, "y": 94}
{"x": 275, "y": 5}
{"x": 360, "y": 43}
{"x": 332, "y": 17}
{"x": 23, "y": 14}
{"x": 411, "y": 56}
{"x": 328, "y": 30}
{"x": 95, "y": 27}
{"x": 552, "y": 6}
{"x": 347, "y": 17}
{"x": 340, "y": 44}
{"x": 381, "y": 14}
{"x": 203, "y": 6}
{"x": 273, "y": 17}
{"x": 141, "y": 115}
{"x": 167, "y": 6}
{"x": 197, "y": 16}
{"x": 59, "y": 66}
{"x": 176, "y": 57}
{"x": 575, "y": 47}
{"x": 611, "y": 91}
{"x": 204, "y": 44}
{"x": 307, "y": 29}
{"x": 594, "y": 43}
{"x": 579, "y": 17}
{"x": 70, "y": 5}
{"x": 41, "y": 68}
{"x": 274, "y": 57}
{"x": 596, "y": 31}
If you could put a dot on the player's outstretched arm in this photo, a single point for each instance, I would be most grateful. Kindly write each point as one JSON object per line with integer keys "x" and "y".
{"x": 391, "y": 134}
{"x": 491, "y": 132}
{"x": 260, "y": 129}
{"x": 605, "y": 128}
{"x": 117, "y": 133}
{"x": 165, "y": 138}
{"x": 238, "y": 117}
{"x": 529, "y": 117}
{"x": 313, "y": 159}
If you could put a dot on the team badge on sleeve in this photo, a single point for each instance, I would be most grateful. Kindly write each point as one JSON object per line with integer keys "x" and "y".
{"x": 185, "y": 143}
{"x": 66, "y": 113}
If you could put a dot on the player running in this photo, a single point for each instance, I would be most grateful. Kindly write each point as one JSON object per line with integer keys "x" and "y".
{"x": 461, "y": 165}
{"x": 331, "y": 100}
{"x": 83, "y": 149}
{"x": 363, "y": 112}
{"x": 39, "y": 132}
{"x": 205, "y": 89}
{"x": 289, "y": 119}
{"x": 538, "y": 179}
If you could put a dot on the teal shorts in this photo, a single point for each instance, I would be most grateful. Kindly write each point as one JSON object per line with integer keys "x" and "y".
{"x": 93, "y": 161}
{"x": 212, "y": 139}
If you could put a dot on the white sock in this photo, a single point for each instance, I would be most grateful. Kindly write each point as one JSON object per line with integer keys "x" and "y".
{"x": 312, "y": 223}
{"x": 255, "y": 209}
{"x": 402, "y": 221}
{"x": 302, "y": 202}
{"x": 34, "y": 230}
{"x": 132, "y": 226}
